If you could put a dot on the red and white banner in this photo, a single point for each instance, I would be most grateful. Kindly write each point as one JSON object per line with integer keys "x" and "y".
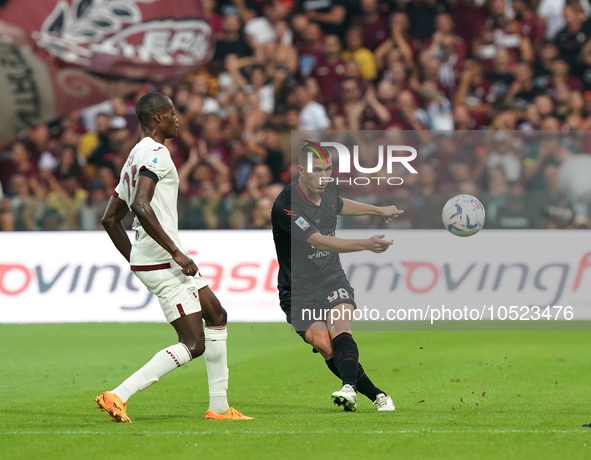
{"x": 427, "y": 269}
{"x": 80, "y": 277}
{"x": 61, "y": 55}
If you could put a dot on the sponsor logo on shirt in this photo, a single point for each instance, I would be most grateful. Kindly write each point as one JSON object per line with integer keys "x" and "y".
{"x": 153, "y": 164}
{"x": 302, "y": 223}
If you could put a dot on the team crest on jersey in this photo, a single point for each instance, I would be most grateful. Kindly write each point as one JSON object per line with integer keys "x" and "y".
{"x": 193, "y": 293}
{"x": 301, "y": 222}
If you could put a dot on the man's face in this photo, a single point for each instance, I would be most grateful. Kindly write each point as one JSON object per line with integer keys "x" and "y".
{"x": 19, "y": 153}
{"x": 102, "y": 124}
{"x": 272, "y": 138}
{"x": 231, "y": 24}
{"x": 354, "y": 39}
{"x": 313, "y": 32}
{"x": 406, "y": 100}
{"x": 569, "y": 14}
{"x": 20, "y": 185}
{"x": 523, "y": 73}
{"x": 400, "y": 20}
{"x": 262, "y": 174}
{"x": 398, "y": 72}
{"x": 119, "y": 135}
{"x": 70, "y": 185}
{"x": 498, "y": 7}
{"x": 501, "y": 59}
{"x": 312, "y": 180}
{"x": 332, "y": 45}
{"x": 257, "y": 77}
{"x": 560, "y": 67}
{"x": 385, "y": 92}
{"x": 263, "y": 208}
{"x": 548, "y": 52}
{"x": 169, "y": 124}
{"x": 292, "y": 118}
{"x": 369, "y": 6}
{"x": 350, "y": 90}
{"x": 444, "y": 23}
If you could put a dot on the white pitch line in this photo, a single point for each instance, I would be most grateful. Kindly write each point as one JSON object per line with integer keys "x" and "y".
{"x": 256, "y": 432}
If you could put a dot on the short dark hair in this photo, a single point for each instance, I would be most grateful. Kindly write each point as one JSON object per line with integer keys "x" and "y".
{"x": 307, "y": 147}
{"x": 149, "y": 104}
{"x": 353, "y": 79}
{"x": 269, "y": 126}
{"x": 28, "y": 146}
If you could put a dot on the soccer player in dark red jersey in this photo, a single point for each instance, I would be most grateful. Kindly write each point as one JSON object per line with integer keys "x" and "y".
{"x": 311, "y": 281}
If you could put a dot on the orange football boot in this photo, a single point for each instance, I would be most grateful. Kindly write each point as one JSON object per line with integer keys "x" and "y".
{"x": 230, "y": 414}
{"x": 112, "y": 405}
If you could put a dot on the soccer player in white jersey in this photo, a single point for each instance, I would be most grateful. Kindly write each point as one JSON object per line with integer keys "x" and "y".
{"x": 149, "y": 187}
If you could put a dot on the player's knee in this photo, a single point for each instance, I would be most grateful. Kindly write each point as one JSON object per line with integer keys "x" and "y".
{"x": 217, "y": 317}
{"x": 222, "y": 317}
{"x": 196, "y": 348}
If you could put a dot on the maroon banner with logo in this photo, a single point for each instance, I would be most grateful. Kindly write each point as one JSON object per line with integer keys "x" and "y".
{"x": 60, "y": 55}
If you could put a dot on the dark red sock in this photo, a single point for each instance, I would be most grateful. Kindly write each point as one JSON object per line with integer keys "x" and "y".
{"x": 346, "y": 358}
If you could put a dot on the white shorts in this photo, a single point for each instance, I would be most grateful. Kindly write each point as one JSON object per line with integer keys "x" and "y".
{"x": 176, "y": 292}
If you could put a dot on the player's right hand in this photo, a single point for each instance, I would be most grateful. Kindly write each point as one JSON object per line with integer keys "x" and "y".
{"x": 187, "y": 264}
{"x": 378, "y": 244}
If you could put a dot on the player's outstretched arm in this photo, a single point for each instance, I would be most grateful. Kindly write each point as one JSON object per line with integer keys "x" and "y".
{"x": 114, "y": 214}
{"x": 144, "y": 212}
{"x": 332, "y": 244}
{"x": 353, "y": 208}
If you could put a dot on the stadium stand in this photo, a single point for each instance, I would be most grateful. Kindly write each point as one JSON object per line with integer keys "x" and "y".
{"x": 510, "y": 81}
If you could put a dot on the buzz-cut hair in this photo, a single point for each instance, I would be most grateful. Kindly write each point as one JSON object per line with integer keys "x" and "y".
{"x": 149, "y": 104}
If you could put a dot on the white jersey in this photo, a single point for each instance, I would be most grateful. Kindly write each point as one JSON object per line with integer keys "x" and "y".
{"x": 152, "y": 156}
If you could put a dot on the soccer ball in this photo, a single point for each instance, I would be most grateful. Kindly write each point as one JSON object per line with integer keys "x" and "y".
{"x": 463, "y": 215}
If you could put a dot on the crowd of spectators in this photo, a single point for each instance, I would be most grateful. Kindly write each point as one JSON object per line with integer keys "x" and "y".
{"x": 505, "y": 71}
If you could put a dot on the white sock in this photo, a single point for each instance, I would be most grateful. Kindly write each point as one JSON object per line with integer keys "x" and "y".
{"x": 216, "y": 362}
{"x": 161, "y": 364}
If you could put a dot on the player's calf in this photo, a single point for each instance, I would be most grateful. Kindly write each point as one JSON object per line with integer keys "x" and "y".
{"x": 346, "y": 358}
{"x": 321, "y": 341}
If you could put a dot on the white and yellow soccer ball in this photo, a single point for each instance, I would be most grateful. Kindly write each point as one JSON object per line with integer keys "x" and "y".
{"x": 463, "y": 215}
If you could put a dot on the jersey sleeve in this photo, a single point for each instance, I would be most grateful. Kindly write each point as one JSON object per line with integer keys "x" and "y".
{"x": 118, "y": 190}
{"x": 156, "y": 161}
{"x": 292, "y": 223}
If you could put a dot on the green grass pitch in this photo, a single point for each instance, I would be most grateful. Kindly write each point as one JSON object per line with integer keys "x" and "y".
{"x": 458, "y": 395}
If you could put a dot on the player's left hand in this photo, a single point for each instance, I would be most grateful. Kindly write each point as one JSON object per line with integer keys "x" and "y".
{"x": 188, "y": 266}
{"x": 390, "y": 212}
